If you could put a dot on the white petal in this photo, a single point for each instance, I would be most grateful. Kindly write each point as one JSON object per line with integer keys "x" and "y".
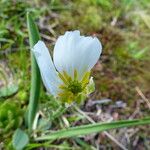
{"x": 46, "y": 66}
{"x": 73, "y": 51}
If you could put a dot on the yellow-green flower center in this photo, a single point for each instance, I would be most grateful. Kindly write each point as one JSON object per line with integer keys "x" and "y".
{"x": 71, "y": 86}
{"x": 75, "y": 87}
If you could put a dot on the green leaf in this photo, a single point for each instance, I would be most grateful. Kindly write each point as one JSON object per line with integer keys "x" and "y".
{"x": 92, "y": 128}
{"x": 8, "y": 90}
{"x": 35, "y": 73}
{"x": 20, "y": 139}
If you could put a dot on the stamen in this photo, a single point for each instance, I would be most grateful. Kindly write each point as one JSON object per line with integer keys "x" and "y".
{"x": 62, "y": 78}
{"x": 85, "y": 79}
{"x": 75, "y": 74}
{"x": 63, "y": 87}
{"x": 67, "y": 77}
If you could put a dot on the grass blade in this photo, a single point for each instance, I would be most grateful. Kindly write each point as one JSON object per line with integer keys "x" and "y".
{"x": 93, "y": 128}
{"x": 35, "y": 73}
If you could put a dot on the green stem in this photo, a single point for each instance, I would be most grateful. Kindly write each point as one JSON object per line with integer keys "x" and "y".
{"x": 35, "y": 73}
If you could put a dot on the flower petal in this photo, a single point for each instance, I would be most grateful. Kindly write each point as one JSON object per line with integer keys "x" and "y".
{"x": 75, "y": 52}
{"x": 46, "y": 66}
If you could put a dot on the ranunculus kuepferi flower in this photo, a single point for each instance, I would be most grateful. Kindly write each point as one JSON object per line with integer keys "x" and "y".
{"x": 68, "y": 75}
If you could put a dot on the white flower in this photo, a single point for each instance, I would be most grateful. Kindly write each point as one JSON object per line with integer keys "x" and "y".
{"x": 73, "y": 58}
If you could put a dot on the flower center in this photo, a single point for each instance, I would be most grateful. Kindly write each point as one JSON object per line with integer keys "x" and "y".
{"x": 75, "y": 87}
{"x": 72, "y": 84}
{"x": 72, "y": 88}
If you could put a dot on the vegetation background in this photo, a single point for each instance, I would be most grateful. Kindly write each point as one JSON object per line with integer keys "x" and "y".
{"x": 122, "y": 75}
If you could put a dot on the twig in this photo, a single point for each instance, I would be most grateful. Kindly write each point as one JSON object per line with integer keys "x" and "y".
{"x": 143, "y": 96}
{"x": 48, "y": 37}
{"x": 105, "y": 132}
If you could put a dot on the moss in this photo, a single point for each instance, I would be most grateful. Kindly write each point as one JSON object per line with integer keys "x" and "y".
{"x": 10, "y": 117}
{"x": 92, "y": 19}
{"x": 88, "y": 20}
